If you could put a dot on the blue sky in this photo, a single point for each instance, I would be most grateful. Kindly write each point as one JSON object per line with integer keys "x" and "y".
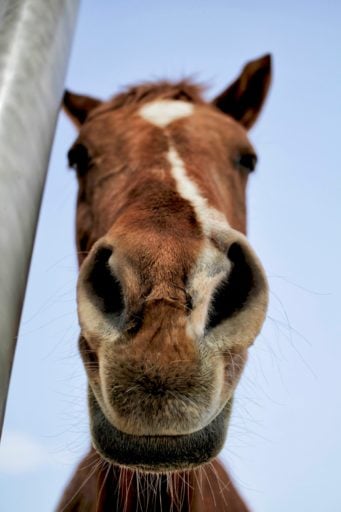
{"x": 284, "y": 443}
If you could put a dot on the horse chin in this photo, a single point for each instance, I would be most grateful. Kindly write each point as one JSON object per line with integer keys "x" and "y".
{"x": 157, "y": 454}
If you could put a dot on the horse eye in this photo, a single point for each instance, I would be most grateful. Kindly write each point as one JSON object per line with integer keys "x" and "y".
{"x": 247, "y": 162}
{"x": 79, "y": 158}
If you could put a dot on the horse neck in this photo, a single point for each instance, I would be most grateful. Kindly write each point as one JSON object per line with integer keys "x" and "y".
{"x": 101, "y": 487}
{"x": 131, "y": 491}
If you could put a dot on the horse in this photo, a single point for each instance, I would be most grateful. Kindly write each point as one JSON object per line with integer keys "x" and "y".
{"x": 170, "y": 293}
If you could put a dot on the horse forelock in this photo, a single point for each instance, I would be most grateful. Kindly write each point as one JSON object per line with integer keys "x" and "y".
{"x": 145, "y": 92}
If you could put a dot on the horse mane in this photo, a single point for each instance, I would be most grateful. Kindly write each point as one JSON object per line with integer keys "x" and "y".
{"x": 144, "y": 92}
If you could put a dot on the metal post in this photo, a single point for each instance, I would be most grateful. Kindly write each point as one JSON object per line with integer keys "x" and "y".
{"x": 35, "y": 41}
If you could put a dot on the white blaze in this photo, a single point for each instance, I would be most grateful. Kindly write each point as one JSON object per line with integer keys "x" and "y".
{"x": 212, "y": 265}
{"x": 211, "y": 220}
{"x": 163, "y": 112}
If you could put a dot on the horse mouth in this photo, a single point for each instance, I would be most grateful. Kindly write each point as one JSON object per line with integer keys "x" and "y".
{"x": 157, "y": 453}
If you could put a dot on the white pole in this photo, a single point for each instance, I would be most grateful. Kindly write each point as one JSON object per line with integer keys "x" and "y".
{"x": 35, "y": 41}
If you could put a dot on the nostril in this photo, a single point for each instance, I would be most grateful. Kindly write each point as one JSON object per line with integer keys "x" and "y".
{"x": 241, "y": 280}
{"x": 232, "y": 293}
{"x": 103, "y": 287}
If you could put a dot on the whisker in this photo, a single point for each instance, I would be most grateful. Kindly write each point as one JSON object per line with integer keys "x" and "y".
{"x": 104, "y": 480}
{"x": 96, "y": 467}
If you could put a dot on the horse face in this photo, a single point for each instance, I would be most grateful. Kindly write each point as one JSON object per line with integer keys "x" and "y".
{"x": 170, "y": 293}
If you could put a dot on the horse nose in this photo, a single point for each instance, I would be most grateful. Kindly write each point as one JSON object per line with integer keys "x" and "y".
{"x": 238, "y": 303}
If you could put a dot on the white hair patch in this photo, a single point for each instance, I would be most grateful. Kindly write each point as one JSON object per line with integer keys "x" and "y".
{"x": 163, "y": 112}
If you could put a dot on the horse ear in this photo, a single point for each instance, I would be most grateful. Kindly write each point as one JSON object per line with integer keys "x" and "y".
{"x": 78, "y": 107}
{"x": 244, "y": 98}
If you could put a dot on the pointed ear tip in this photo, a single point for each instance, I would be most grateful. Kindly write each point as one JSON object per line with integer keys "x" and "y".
{"x": 266, "y": 60}
{"x": 263, "y": 65}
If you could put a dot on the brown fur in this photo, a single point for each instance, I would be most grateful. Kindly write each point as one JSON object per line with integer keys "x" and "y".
{"x": 160, "y": 394}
